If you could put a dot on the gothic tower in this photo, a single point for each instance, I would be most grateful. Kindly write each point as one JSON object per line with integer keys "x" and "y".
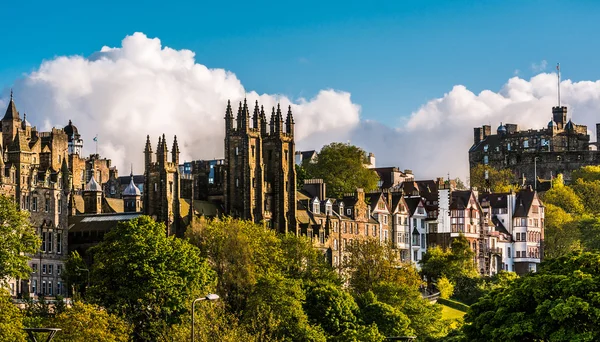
{"x": 261, "y": 177}
{"x": 162, "y": 186}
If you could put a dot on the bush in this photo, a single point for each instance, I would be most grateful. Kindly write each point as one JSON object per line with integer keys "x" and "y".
{"x": 445, "y": 287}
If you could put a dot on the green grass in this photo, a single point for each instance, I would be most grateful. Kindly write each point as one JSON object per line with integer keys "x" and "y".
{"x": 450, "y": 313}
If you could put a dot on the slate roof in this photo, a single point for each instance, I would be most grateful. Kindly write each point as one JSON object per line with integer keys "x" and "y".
{"x": 11, "y": 110}
{"x": 496, "y": 200}
{"x": 523, "y": 203}
{"x": 459, "y": 199}
{"x": 137, "y": 179}
{"x": 99, "y": 222}
{"x": 491, "y": 140}
{"x": 412, "y": 203}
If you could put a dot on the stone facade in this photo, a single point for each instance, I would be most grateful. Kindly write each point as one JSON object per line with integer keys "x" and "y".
{"x": 161, "y": 198}
{"x": 260, "y": 182}
{"x": 559, "y": 148}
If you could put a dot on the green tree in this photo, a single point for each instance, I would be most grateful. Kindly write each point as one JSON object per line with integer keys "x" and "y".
{"x": 18, "y": 239}
{"x": 589, "y": 173}
{"x": 589, "y": 193}
{"x": 497, "y": 180}
{"x": 87, "y": 322}
{"x": 445, "y": 287}
{"x": 332, "y": 308}
{"x": 147, "y": 277}
{"x": 390, "y": 321}
{"x": 342, "y": 167}
{"x": 11, "y": 320}
{"x": 564, "y": 197}
{"x": 589, "y": 228}
{"x": 300, "y": 260}
{"x": 75, "y": 274}
{"x": 455, "y": 263}
{"x": 558, "y": 303}
{"x": 363, "y": 333}
{"x": 561, "y": 235}
{"x": 301, "y": 175}
{"x": 274, "y": 311}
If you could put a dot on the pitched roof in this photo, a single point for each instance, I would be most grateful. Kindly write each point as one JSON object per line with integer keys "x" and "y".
{"x": 115, "y": 205}
{"x": 460, "y": 199}
{"x": 496, "y": 200}
{"x": 499, "y": 226}
{"x": 412, "y": 203}
{"x": 523, "y": 203}
{"x": 11, "y": 110}
{"x": 19, "y": 144}
{"x": 99, "y": 222}
{"x": 137, "y": 179}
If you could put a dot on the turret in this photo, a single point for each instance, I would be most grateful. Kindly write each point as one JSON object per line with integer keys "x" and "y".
{"x": 263, "y": 121}
{"x": 272, "y": 124}
{"x": 289, "y": 122}
{"x": 161, "y": 152}
{"x": 278, "y": 121}
{"x": 92, "y": 197}
{"x": 245, "y": 117}
{"x": 175, "y": 152}
{"x": 559, "y": 115}
{"x": 66, "y": 176}
{"x": 239, "y": 117}
{"x": 11, "y": 123}
{"x": 132, "y": 197}
{"x": 256, "y": 122}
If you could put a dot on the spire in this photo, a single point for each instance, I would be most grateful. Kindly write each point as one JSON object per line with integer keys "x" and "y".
{"x": 263, "y": 121}
{"x": 66, "y": 175}
{"x": 278, "y": 120}
{"x": 289, "y": 122}
{"x": 239, "y": 117}
{"x": 272, "y": 125}
{"x": 228, "y": 117}
{"x": 256, "y": 117}
{"x": 11, "y": 110}
{"x": 175, "y": 152}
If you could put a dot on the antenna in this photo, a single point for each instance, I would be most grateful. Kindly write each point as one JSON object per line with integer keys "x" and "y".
{"x": 558, "y": 75}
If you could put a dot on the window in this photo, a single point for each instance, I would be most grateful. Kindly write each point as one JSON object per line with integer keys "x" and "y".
{"x": 348, "y": 211}
{"x": 508, "y": 146}
{"x": 58, "y": 269}
{"x": 34, "y": 268}
{"x": 416, "y": 255}
{"x": 335, "y": 260}
{"x": 328, "y": 209}
{"x": 50, "y": 288}
{"x": 43, "y": 268}
{"x": 34, "y": 286}
{"x": 316, "y": 206}
{"x": 43, "y": 241}
{"x": 12, "y": 289}
{"x": 344, "y": 226}
{"x": 47, "y": 204}
{"x": 385, "y": 235}
{"x": 237, "y": 151}
{"x": 34, "y": 204}
{"x": 486, "y": 160}
{"x": 59, "y": 206}
{"x": 508, "y": 254}
{"x": 58, "y": 288}
{"x": 237, "y": 182}
{"x": 385, "y": 219}
{"x": 50, "y": 269}
{"x": 422, "y": 240}
{"x": 526, "y": 143}
{"x": 49, "y": 243}
{"x": 112, "y": 190}
{"x": 335, "y": 245}
{"x": 344, "y": 243}
{"x": 367, "y": 229}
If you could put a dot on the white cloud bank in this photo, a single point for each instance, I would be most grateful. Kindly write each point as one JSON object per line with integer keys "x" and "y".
{"x": 142, "y": 88}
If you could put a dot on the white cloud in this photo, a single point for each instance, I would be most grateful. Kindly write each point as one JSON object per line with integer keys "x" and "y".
{"x": 124, "y": 93}
{"x": 142, "y": 88}
{"x": 538, "y": 67}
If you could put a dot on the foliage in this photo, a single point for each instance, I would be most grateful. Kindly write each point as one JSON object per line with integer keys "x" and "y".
{"x": 564, "y": 197}
{"x": 454, "y": 304}
{"x": 590, "y": 173}
{"x": 445, "y": 287}
{"x": 558, "y": 303}
{"x": 390, "y": 321}
{"x": 497, "y": 180}
{"x": 76, "y": 272}
{"x": 561, "y": 235}
{"x": 589, "y": 227}
{"x": 301, "y": 175}
{"x": 331, "y": 307}
{"x": 18, "y": 239}
{"x": 363, "y": 333}
{"x": 454, "y": 264}
{"x": 87, "y": 322}
{"x": 460, "y": 185}
{"x": 371, "y": 263}
{"x": 147, "y": 277}
{"x": 274, "y": 311}
{"x": 589, "y": 193}
{"x": 11, "y": 325}
{"x": 342, "y": 167}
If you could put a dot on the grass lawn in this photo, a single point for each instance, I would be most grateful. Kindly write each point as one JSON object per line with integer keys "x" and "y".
{"x": 450, "y": 313}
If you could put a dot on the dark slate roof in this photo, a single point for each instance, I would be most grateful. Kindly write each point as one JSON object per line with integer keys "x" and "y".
{"x": 459, "y": 199}
{"x": 308, "y": 154}
{"x": 428, "y": 189}
{"x": 385, "y": 175}
{"x": 412, "y": 203}
{"x": 100, "y": 222}
{"x": 523, "y": 203}
{"x": 396, "y": 198}
{"x": 71, "y": 131}
{"x": 373, "y": 199}
{"x": 137, "y": 179}
{"x": 496, "y": 200}
{"x": 11, "y": 110}
{"x": 499, "y": 226}
{"x": 491, "y": 140}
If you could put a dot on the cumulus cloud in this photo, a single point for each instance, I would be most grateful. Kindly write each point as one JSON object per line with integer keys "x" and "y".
{"x": 124, "y": 93}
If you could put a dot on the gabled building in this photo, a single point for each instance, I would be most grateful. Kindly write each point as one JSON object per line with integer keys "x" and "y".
{"x": 417, "y": 227}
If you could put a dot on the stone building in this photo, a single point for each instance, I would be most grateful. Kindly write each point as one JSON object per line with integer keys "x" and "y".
{"x": 161, "y": 198}
{"x": 559, "y": 148}
{"x": 34, "y": 172}
{"x": 260, "y": 182}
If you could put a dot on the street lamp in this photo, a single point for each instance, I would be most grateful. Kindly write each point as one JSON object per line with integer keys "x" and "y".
{"x": 210, "y": 296}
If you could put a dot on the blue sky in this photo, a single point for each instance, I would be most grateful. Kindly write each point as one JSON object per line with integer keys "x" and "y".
{"x": 391, "y": 56}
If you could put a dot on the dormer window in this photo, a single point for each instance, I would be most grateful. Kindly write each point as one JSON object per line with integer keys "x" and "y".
{"x": 485, "y": 148}
{"x": 328, "y": 208}
{"x": 316, "y": 206}
{"x": 342, "y": 208}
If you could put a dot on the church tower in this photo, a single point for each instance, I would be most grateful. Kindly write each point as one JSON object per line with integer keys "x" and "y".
{"x": 11, "y": 122}
{"x": 261, "y": 177}
{"x": 162, "y": 186}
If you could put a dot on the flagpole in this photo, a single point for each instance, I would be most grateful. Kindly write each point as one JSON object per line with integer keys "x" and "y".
{"x": 558, "y": 74}
{"x": 96, "y": 141}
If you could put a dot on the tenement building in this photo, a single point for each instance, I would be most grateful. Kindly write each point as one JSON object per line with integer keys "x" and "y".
{"x": 559, "y": 148}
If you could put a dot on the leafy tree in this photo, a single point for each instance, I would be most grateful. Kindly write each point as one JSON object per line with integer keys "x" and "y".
{"x": 301, "y": 175}
{"x": 561, "y": 235}
{"x": 147, "y": 277}
{"x": 87, "y": 322}
{"x": 11, "y": 325}
{"x": 363, "y": 333}
{"x": 497, "y": 180}
{"x": 445, "y": 287}
{"x": 589, "y": 193}
{"x": 332, "y": 308}
{"x": 558, "y": 303}
{"x": 589, "y": 227}
{"x": 370, "y": 263}
{"x": 590, "y": 173}
{"x": 74, "y": 274}
{"x": 300, "y": 260}
{"x": 274, "y": 311}
{"x": 17, "y": 239}
{"x": 564, "y": 197}
{"x": 390, "y": 321}
{"x": 460, "y": 185}
{"x": 455, "y": 263}
{"x": 342, "y": 167}
{"x": 240, "y": 252}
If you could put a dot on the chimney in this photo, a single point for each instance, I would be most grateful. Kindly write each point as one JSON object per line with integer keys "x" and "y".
{"x": 487, "y": 131}
{"x": 598, "y": 135}
{"x": 477, "y": 135}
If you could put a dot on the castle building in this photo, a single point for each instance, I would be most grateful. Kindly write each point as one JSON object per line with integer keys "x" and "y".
{"x": 260, "y": 180}
{"x": 560, "y": 148}
{"x": 161, "y": 199}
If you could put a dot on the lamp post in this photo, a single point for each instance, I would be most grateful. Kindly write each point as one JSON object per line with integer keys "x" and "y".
{"x": 210, "y": 296}
{"x": 535, "y": 173}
